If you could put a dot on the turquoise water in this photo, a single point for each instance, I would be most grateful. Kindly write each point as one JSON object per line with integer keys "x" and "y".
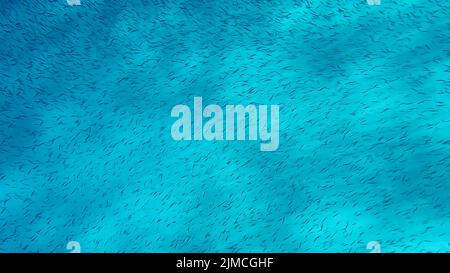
{"x": 86, "y": 152}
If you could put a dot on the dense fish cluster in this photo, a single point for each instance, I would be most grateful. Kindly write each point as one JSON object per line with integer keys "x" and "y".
{"x": 86, "y": 153}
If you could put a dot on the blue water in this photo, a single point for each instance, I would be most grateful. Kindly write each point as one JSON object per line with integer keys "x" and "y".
{"x": 86, "y": 152}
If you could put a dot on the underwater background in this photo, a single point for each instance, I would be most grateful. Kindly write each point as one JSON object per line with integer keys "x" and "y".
{"x": 86, "y": 152}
